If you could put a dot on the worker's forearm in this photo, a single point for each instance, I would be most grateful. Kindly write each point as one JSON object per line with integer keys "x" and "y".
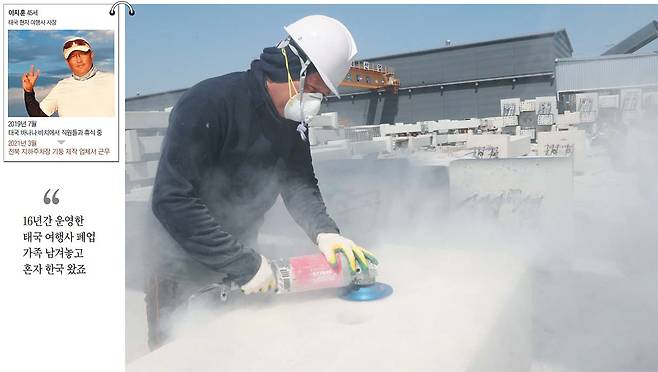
{"x": 304, "y": 202}
{"x": 190, "y": 223}
{"x": 32, "y": 105}
{"x": 302, "y": 196}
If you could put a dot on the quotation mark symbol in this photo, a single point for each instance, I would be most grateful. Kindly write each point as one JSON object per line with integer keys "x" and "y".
{"x": 47, "y": 200}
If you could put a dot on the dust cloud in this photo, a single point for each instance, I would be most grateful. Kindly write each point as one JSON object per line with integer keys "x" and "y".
{"x": 590, "y": 270}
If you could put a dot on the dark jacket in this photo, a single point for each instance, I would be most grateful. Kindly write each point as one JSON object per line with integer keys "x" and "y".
{"x": 225, "y": 159}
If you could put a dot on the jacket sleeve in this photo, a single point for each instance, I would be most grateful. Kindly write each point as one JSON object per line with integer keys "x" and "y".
{"x": 192, "y": 139}
{"x": 32, "y": 105}
{"x": 301, "y": 193}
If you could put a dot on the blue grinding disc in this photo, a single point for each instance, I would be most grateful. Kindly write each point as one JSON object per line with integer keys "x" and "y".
{"x": 369, "y": 292}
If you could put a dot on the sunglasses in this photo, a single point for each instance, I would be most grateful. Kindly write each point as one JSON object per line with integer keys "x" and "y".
{"x": 70, "y": 43}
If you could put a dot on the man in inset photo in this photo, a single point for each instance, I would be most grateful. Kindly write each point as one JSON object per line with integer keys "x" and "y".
{"x": 87, "y": 92}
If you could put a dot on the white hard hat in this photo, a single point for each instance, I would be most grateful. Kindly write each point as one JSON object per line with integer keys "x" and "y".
{"x": 328, "y": 44}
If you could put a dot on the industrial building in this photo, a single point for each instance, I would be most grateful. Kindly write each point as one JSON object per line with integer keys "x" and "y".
{"x": 619, "y": 85}
{"x": 470, "y": 81}
{"x": 459, "y": 81}
{"x": 453, "y": 82}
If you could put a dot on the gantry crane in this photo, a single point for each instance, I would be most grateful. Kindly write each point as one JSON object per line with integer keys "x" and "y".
{"x": 366, "y": 75}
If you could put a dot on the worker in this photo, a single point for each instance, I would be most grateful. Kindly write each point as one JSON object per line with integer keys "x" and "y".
{"x": 88, "y": 92}
{"x": 234, "y": 144}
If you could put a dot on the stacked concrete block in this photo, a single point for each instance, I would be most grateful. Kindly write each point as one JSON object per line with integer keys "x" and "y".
{"x": 425, "y": 125}
{"x": 447, "y": 126}
{"x": 367, "y": 147}
{"x": 326, "y": 120}
{"x": 510, "y": 121}
{"x": 494, "y": 146}
{"x": 439, "y": 139}
{"x": 510, "y": 107}
{"x": 492, "y": 123}
{"x": 320, "y": 136}
{"x": 399, "y": 128}
{"x": 587, "y": 105}
{"x": 518, "y": 146}
{"x": 546, "y": 105}
{"x": 564, "y": 143}
{"x": 528, "y": 105}
{"x": 609, "y": 101}
{"x": 458, "y": 137}
{"x": 546, "y": 110}
{"x": 631, "y": 100}
{"x": 418, "y": 142}
{"x": 528, "y": 119}
{"x": 564, "y": 121}
{"x": 511, "y": 130}
{"x": 472, "y": 123}
{"x": 529, "y": 132}
{"x": 360, "y": 133}
{"x": 388, "y": 142}
{"x": 545, "y": 120}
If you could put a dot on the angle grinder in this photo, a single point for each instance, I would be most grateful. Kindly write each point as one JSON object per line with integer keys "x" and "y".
{"x": 313, "y": 272}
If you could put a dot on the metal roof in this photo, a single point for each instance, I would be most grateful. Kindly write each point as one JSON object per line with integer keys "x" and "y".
{"x": 637, "y": 40}
{"x": 159, "y": 93}
{"x": 560, "y": 33}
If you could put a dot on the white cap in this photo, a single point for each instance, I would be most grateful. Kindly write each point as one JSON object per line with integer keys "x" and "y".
{"x": 328, "y": 44}
{"x": 76, "y": 46}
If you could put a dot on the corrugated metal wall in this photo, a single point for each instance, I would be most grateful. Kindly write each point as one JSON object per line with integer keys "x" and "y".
{"x": 611, "y": 72}
{"x": 457, "y": 102}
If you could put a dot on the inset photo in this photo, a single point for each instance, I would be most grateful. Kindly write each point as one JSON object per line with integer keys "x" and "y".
{"x": 61, "y": 73}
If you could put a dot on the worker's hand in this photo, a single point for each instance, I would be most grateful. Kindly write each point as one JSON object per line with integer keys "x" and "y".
{"x": 263, "y": 281}
{"x": 30, "y": 79}
{"x": 331, "y": 244}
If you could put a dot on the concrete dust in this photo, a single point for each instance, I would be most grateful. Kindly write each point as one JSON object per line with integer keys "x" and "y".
{"x": 574, "y": 293}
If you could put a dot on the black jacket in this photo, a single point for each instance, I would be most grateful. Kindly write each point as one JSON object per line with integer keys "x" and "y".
{"x": 225, "y": 159}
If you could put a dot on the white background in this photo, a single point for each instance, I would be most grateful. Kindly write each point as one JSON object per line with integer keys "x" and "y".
{"x": 68, "y": 323}
{"x": 69, "y": 17}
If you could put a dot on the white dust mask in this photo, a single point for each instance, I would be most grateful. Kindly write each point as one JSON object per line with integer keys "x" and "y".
{"x": 303, "y": 106}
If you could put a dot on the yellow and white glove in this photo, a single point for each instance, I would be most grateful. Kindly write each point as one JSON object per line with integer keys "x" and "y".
{"x": 263, "y": 281}
{"x": 331, "y": 244}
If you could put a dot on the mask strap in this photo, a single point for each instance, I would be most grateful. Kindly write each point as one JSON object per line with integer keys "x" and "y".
{"x": 301, "y": 128}
{"x": 291, "y": 86}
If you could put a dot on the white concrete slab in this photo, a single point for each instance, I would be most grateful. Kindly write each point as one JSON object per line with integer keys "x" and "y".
{"x": 367, "y": 147}
{"x": 454, "y": 310}
{"x": 564, "y": 143}
{"x": 492, "y": 146}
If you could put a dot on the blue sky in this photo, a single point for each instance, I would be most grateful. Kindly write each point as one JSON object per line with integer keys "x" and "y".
{"x": 43, "y": 49}
{"x": 172, "y": 46}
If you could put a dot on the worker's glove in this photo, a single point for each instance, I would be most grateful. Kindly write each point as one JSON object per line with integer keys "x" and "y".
{"x": 331, "y": 244}
{"x": 263, "y": 281}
